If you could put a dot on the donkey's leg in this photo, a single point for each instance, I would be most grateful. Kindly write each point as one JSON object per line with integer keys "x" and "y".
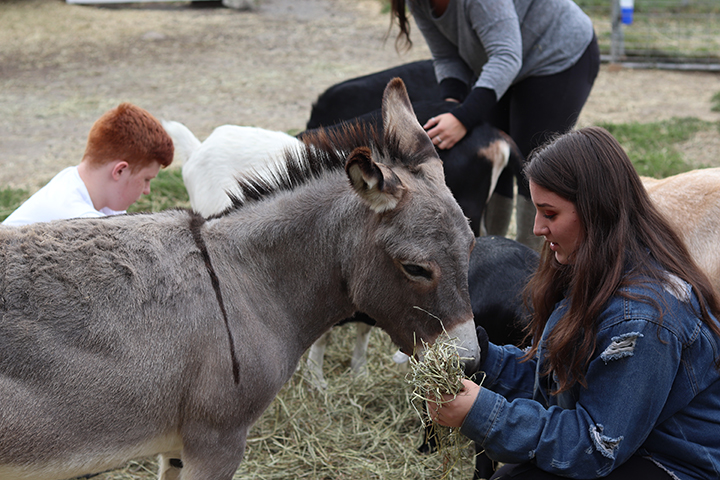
{"x": 358, "y": 364}
{"x": 169, "y": 465}
{"x": 214, "y": 454}
{"x": 315, "y": 359}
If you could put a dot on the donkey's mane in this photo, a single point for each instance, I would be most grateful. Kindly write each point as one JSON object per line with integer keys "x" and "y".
{"x": 323, "y": 150}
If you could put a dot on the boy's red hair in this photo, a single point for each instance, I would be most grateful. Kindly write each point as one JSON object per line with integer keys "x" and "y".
{"x": 128, "y": 133}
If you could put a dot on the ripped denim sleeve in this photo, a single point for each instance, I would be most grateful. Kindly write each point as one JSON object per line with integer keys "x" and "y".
{"x": 605, "y": 445}
{"x": 621, "y": 346}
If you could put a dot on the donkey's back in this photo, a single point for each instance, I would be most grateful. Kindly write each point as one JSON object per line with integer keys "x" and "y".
{"x": 115, "y": 344}
{"x": 85, "y": 303}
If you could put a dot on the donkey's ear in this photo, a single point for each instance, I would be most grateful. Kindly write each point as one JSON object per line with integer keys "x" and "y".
{"x": 375, "y": 183}
{"x": 401, "y": 125}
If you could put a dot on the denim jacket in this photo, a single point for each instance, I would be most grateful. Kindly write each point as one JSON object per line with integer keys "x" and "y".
{"x": 652, "y": 390}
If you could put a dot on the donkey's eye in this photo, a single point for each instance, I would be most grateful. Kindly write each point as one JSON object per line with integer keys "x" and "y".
{"x": 417, "y": 271}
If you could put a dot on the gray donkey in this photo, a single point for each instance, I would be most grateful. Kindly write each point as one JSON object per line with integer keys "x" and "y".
{"x": 169, "y": 334}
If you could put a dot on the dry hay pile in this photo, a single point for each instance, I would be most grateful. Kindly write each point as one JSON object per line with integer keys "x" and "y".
{"x": 361, "y": 428}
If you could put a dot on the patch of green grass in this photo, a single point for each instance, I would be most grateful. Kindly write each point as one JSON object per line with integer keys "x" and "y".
{"x": 715, "y": 100}
{"x": 10, "y": 199}
{"x": 652, "y": 147}
{"x": 656, "y": 6}
{"x": 167, "y": 190}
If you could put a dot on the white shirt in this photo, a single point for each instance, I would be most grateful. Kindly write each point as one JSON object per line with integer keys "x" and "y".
{"x": 65, "y": 196}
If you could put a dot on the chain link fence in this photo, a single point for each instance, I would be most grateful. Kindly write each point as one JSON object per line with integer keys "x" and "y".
{"x": 673, "y": 34}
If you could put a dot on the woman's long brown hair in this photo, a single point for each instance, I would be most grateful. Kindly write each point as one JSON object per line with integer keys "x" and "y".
{"x": 622, "y": 228}
{"x": 398, "y": 12}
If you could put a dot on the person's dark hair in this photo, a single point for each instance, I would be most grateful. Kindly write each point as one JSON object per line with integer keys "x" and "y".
{"x": 398, "y": 12}
{"x": 621, "y": 226}
{"x": 130, "y": 133}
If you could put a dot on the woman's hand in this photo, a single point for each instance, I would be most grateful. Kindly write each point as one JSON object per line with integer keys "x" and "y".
{"x": 452, "y": 413}
{"x": 445, "y": 130}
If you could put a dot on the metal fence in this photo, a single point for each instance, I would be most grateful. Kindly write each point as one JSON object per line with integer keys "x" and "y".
{"x": 677, "y": 34}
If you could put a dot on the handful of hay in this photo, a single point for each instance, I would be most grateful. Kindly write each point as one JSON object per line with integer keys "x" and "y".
{"x": 439, "y": 373}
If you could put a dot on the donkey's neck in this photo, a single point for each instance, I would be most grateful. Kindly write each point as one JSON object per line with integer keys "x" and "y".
{"x": 288, "y": 257}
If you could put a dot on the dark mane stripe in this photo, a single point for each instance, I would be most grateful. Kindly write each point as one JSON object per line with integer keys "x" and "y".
{"x": 325, "y": 150}
{"x": 391, "y": 150}
{"x": 196, "y": 223}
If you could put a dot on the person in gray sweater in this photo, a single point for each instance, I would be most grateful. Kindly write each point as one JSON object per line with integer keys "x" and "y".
{"x": 525, "y": 66}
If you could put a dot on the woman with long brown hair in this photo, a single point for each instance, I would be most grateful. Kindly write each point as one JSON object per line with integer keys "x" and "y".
{"x": 622, "y": 379}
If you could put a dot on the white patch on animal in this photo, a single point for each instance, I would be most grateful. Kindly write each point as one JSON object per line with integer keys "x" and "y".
{"x": 80, "y": 463}
{"x": 211, "y": 169}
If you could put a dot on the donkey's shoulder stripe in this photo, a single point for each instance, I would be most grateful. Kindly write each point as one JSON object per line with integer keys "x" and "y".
{"x": 196, "y": 223}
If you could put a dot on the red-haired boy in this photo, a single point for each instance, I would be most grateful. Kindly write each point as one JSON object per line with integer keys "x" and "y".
{"x": 126, "y": 148}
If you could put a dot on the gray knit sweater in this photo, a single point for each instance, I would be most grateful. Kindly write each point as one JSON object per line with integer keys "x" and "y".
{"x": 496, "y": 43}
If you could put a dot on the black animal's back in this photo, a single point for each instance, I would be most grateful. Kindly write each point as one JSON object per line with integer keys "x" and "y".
{"x": 357, "y": 96}
{"x": 499, "y": 271}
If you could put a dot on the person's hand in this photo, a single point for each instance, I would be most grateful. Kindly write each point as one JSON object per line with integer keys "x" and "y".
{"x": 452, "y": 413}
{"x": 445, "y": 130}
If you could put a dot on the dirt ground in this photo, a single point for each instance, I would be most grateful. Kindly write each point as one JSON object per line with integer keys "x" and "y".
{"x": 62, "y": 66}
